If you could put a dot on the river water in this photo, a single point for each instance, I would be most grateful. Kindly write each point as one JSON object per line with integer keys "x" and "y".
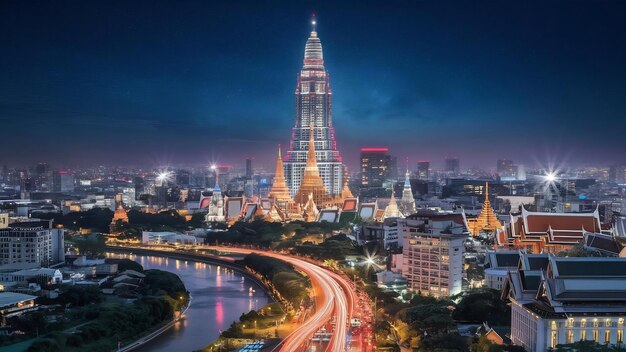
{"x": 219, "y": 296}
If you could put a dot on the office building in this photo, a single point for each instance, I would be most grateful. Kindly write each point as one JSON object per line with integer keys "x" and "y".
{"x": 63, "y": 181}
{"x": 376, "y": 165}
{"x": 423, "y": 170}
{"x": 617, "y": 174}
{"x": 452, "y": 166}
{"x": 31, "y": 242}
{"x": 249, "y": 171}
{"x": 506, "y": 169}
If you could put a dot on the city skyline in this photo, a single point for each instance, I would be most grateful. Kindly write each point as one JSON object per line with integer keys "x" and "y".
{"x": 134, "y": 87}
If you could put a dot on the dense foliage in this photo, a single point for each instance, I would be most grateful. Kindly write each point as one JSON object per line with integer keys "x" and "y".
{"x": 125, "y": 264}
{"x": 164, "y": 293}
{"x": 291, "y": 285}
{"x": 92, "y": 246}
{"x": 483, "y": 305}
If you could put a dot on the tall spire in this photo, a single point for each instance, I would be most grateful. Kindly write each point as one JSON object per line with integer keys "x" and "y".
{"x": 313, "y": 56}
{"x": 312, "y": 182}
{"x": 313, "y": 23}
{"x": 279, "y": 191}
{"x": 487, "y": 220}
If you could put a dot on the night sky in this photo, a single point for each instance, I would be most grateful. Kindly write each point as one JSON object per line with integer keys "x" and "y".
{"x": 192, "y": 82}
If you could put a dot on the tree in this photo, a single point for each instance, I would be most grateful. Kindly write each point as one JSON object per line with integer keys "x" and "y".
{"x": 92, "y": 246}
{"x": 483, "y": 305}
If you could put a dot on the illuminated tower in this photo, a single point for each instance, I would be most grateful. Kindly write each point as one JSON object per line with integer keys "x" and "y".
{"x": 408, "y": 201}
{"x": 313, "y": 107}
{"x": 312, "y": 184}
{"x": 279, "y": 191}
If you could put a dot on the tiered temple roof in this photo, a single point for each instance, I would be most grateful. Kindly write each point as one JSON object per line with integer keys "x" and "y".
{"x": 312, "y": 183}
{"x": 280, "y": 192}
{"x": 552, "y": 231}
{"x": 487, "y": 219}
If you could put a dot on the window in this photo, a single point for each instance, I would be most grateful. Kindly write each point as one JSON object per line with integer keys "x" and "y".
{"x": 620, "y": 336}
{"x": 607, "y": 336}
{"x": 583, "y": 335}
{"x": 596, "y": 336}
{"x": 553, "y": 341}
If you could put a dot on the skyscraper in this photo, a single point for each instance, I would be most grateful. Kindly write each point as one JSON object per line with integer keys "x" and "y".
{"x": 423, "y": 169}
{"x": 506, "y": 169}
{"x": 453, "y": 166}
{"x": 249, "y": 171}
{"x": 376, "y": 164}
{"x": 313, "y": 107}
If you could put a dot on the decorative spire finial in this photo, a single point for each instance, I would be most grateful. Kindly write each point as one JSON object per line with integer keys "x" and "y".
{"x": 313, "y": 22}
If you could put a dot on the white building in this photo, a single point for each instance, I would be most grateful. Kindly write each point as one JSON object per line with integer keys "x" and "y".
{"x": 433, "y": 264}
{"x": 568, "y": 300}
{"x": 47, "y": 275}
{"x": 31, "y": 242}
{"x": 148, "y": 237}
{"x": 432, "y": 251}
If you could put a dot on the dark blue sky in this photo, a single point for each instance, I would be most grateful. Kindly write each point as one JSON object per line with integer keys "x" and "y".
{"x": 189, "y": 82}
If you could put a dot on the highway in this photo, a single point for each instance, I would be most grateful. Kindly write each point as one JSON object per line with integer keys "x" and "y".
{"x": 335, "y": 297}
{"x": 336, "y": 303}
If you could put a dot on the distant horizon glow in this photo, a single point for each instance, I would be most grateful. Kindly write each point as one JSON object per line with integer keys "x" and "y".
{"x": 87, "y": 84}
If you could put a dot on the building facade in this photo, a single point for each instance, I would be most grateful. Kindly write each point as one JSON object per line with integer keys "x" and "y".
{"x": 375, "y": 166}
{"x": 31, "y": 242}
{"x": 568, "y": 300}
{"x": 314, "y": 108}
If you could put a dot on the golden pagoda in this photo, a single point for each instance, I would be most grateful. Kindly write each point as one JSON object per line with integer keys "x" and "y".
{"x": 120, "y": 214}
{"x": 312, "y": 182}
{"x": 487, "y": 219}
{"x": 345, "y": 192}
{"x": 279, "y": 192}
{"x": 391, "y": 210}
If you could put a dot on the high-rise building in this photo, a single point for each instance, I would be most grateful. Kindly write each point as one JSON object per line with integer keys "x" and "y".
{"x": 63, "y": 181}
{"x": 617, "y": 173}
{"x": 506, "y": 169}
{"x": 376, "y": 164}
{"x": 249, "y": 172}
{"x": 452, "y": 165}
{"x": 423, "y": 169}
{"x": 313, "y": 108}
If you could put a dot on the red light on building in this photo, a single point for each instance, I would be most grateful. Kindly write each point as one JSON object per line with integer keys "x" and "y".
{"x": 376, "y": 150}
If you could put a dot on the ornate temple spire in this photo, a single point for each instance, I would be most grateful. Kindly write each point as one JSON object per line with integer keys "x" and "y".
{"x": 407, "y": 203}
{"x": 392, "y": 211}
{"x": 487, "y": 220}
{"x": 279, "y": 191}
{"x": 345, "y": 191}
{"x": 312, "y": 182}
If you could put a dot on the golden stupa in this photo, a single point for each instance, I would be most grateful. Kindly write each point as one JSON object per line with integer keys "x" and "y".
{"x": 312, "y": 182}
{"x": 279, "y": 192}
{"x": 487, "y": 219}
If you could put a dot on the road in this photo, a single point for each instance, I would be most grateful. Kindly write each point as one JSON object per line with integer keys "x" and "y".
{"x": 336, "y": 303}
{"x": 335, "y": 297}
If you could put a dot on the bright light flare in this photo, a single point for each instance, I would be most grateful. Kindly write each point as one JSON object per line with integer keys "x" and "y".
{"x": 550, "y": 176}
{"x": 213, "y": 167}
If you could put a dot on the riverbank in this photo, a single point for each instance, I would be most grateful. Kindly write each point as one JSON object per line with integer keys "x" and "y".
{"x": 228, "y": 262}
{"x": 152, "y": 257}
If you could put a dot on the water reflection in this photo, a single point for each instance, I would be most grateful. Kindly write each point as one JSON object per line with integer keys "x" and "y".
{"x": 219, "y": 294}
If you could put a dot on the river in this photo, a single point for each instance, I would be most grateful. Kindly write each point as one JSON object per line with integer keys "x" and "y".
{"x": 219, "y": 296}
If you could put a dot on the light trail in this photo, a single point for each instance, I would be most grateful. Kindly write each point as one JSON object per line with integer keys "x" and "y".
{"x": 336, "y": 299}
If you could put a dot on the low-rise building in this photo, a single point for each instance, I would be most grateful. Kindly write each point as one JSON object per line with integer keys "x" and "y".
{"x": 498, "y": 264}
{"x": 567, "y": 300}
{"x": 14, "y": 304}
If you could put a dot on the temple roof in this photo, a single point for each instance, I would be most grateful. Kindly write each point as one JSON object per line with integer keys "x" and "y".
{"x": 280, "y": 191}
{"x": 312, "y": 182}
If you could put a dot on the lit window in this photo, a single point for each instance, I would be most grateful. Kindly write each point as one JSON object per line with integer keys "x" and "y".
{"x": 607, "y": 336}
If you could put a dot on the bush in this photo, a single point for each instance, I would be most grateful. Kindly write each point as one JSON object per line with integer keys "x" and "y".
{"x": 125, "y": 264}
